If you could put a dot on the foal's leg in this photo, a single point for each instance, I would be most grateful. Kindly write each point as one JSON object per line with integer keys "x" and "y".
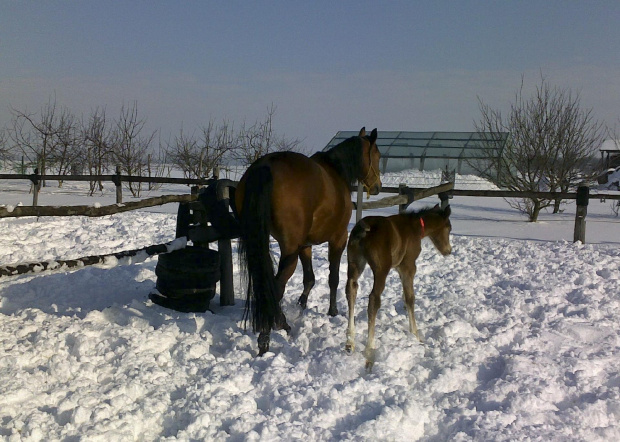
{"x": 356, "y": 265}
{"x": 374, "y": 304}
{"x": 406, "y": 279}
{"x": 335, "y": 253}
{"x": 305, "y": 256}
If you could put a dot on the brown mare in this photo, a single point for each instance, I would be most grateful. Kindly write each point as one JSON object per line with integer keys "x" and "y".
{"x": 386, "y": 243}
{"x": 301, "y": 201}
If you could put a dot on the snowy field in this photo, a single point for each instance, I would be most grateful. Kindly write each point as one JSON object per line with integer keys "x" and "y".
{"x": 519, "y": 328}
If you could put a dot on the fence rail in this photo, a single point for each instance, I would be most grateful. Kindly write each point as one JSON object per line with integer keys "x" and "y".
{"x": 112, "y": 178}
{"x": 118, "y": 180}
{"x": 528, "y": 194}
{"x": 93, "y": 211}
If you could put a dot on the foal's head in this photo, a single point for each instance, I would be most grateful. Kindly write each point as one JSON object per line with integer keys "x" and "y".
{"x": 437, "y": 227}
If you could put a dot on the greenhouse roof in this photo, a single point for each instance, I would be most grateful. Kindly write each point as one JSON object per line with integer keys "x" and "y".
{"x": 395, "y": 144}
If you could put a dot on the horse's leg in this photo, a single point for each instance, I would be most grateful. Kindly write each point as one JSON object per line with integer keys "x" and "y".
{"x": 355, "y": 267}
{"x": 305, "y": 256}
{"x": 335, "y": 254}
{"x": 374, "y": 304}
{"x": 406, "y": 279}
{"x": 286, "y": 268}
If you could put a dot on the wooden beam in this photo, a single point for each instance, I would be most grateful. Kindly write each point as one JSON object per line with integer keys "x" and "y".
{"x": 396, "y": 200}
{"x": 425, "y": 193}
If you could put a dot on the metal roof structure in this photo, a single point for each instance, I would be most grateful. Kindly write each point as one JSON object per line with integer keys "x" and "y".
{"x": 431, "y": 150}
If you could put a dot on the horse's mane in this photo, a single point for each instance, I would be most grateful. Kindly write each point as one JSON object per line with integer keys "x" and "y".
{"x": 420, "y": 213}
{"x": 345, "y": 157}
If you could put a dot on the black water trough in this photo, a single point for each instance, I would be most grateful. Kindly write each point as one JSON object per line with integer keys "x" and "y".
{"x": 186, "y": 278}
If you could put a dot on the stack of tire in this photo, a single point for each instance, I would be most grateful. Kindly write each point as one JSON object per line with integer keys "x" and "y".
{"x": 186, "y": 279}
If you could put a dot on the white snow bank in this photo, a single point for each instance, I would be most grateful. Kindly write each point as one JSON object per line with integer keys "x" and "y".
{"x": 520, "y": 331}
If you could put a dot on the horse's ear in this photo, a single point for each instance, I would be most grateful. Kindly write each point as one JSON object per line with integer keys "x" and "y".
{"x": 437, "y": 208}
{"x": 373, "y": 136}
{"x": 363, "y": 132}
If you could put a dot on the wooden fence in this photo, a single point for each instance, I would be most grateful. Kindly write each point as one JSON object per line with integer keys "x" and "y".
{"x": 404, "y": 196}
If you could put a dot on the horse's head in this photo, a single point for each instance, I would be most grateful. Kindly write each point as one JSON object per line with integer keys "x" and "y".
{"x": 438, "y": 227}
{"x": 370, "y": 178}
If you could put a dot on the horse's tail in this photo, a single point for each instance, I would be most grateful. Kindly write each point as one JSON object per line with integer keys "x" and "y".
{"x": 261, "y": 307}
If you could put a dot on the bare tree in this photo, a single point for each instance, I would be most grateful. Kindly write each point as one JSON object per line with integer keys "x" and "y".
{"x": 34, "y": 135}
{"x": 550, "y": 145}
{"x": 611, "y": 163}
{"x": 132, "y": 145}
{"x": 98, "y": 142}
{"x": 65, "y": 150}
{"x": 576, "y": 136}
{"x": 261, "y": 139}
{"x": 5, "y": 148}
{"x": 198, "y": 155}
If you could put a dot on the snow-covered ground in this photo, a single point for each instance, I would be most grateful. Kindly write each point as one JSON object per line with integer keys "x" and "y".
{"x": 519, "y": 327}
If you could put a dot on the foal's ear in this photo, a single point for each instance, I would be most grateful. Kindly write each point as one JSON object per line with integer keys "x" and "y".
{"x": 362, "y": 132}
{"x": 447, "y": 211}
{"x": 373, "y": 136}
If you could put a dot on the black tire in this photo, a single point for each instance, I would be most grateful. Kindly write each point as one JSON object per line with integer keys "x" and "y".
{"x": 187, "y": 277}
{"x": 190, "y": 259}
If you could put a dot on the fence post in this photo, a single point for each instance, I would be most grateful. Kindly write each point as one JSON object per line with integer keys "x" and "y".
{"x": 445, "y": 197}
{"x": 119, "y": 185}
{"x": 450, "y": 177}
{"x": 227, "y": 291}
{"x": 583, "y": 197}
{"x": 36, "y": 186}
{"x": 402, "y": 190}
{"x": 360, "y": 199}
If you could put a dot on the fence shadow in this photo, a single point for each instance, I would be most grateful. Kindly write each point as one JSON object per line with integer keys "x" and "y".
{"x": 79, "y": 292}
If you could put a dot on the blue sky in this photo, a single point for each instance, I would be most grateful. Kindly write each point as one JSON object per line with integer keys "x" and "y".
{"x": 325, "y": 65}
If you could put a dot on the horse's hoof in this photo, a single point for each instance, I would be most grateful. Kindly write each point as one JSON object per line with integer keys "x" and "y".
{"x": 332, "y": 311}
{"x": 303, "y": 302}
{"x": 283, "y": 326}
{"x": 369, "y": 365}
{"x": 263, "y": 344}
{"x": 349, "y": 348}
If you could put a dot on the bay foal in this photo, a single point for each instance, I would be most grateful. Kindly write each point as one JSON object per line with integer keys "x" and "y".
{"x": 386, "y": 243}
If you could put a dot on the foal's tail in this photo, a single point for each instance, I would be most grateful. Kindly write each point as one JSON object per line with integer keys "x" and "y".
{"x": 358, "y": 232}
{"x": 355, "y": 250}
{"x": 261, "y": 307}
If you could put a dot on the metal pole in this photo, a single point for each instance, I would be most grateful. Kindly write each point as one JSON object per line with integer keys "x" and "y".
{"x": 360, "y": 199}
{"x": 227, "y": 291}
